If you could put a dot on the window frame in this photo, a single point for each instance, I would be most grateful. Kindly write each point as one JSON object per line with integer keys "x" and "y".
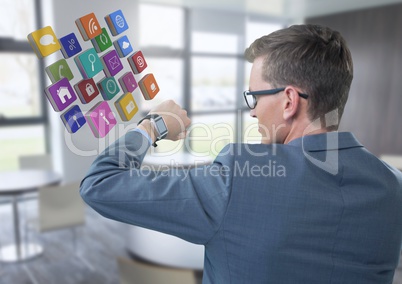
{"x": 186, "y": 54}
{"x": 11, "y": 45}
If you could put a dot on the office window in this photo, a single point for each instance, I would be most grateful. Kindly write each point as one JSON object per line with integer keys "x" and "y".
{"x": 256, "y": 30}
{"x": 197, "y": 58}
{"x": 20, "y": 140}
{"x": 19, "y": 90}
{"x": 213, "y": 83}
{"x": 161, "y": 26}
{"x": 214, "y": 43}
{"x": 22, "y": 114}
{"x": 17, "y": 18}
{"x": 208, "y": 134}
{"x": 168, "y": 73}
{"x": 161, "y": 38}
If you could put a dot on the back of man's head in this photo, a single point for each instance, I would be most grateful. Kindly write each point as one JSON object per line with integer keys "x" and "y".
{"x": 313, "y": 58}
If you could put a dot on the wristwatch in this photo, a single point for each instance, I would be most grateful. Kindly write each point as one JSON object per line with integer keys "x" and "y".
{"x": 158, "y": 124}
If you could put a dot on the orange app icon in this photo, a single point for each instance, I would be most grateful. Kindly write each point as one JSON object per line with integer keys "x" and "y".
{"x": 149, "y": 87}
{"x": 88, "y": 26}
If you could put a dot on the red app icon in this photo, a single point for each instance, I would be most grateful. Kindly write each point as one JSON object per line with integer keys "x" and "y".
{"x": 137, "y": 62}
{"x": 86, "y": 90}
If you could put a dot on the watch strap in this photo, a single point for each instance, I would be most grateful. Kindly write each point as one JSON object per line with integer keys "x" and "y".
{"x": 150, "y": 116}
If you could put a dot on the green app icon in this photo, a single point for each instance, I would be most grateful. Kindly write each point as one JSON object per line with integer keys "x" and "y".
{"x": 109, "y": 88}
{"x": 59, "y": 70}
{"x": 102, "y": 41}
{"x": 89, "y": 63}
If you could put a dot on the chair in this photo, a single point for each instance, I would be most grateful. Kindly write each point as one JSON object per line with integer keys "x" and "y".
{"x": 32, "y": 162}
{"x": 132, "y": 271}
{"x": 60, "y": 207}
{"x": 43, "y": 162}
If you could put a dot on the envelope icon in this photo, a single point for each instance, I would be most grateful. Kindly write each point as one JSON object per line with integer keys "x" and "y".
{"x": 111, "y": 63}
{"x": 114, "y": 62}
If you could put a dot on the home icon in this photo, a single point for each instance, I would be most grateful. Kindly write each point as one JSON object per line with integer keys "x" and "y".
{"x": 62, "y": 93}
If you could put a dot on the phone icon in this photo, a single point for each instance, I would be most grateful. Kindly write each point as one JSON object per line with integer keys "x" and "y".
{"x": 61, "y": 67}
{"x": 59, "y": 70}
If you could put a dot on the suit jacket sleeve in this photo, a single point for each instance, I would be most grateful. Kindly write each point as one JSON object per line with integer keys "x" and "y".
{"x": 189, "y": 204}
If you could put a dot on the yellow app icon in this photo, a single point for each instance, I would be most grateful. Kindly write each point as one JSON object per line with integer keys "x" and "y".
{"x": 44, "y": 42}
{"x": 126, "y": 106}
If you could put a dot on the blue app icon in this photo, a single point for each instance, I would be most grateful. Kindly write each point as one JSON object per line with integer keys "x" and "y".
{"x": 73, "y": 119}
{"x": 123, "y": 46}
{"x": 116, "y": 22}
{"x": 70, "y": 45}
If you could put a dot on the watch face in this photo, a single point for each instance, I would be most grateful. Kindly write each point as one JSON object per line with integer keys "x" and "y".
{"x": 160, "y": 126}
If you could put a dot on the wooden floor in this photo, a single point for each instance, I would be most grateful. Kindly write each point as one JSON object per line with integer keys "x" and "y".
{"x": 100, "y": 242}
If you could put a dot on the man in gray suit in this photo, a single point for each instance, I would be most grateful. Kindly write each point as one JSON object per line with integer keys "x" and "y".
{"x": 330, "y": 211}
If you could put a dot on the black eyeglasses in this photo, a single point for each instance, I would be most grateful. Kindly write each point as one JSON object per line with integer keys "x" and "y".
{"x": 251, "y": 100}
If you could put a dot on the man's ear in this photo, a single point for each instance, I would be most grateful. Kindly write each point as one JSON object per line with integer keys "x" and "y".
{"x": 291, "y": 103}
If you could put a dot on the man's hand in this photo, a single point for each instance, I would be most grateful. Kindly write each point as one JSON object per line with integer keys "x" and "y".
{"x": 175, "y": 118}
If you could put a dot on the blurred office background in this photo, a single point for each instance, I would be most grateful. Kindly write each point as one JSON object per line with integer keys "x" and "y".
{"x": 195, "y": 49}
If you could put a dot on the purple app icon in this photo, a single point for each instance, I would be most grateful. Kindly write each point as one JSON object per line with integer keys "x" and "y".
{"x": 112, "y": 63}
{"x": 128, "y": 82}
{"x": 60, "y": 94}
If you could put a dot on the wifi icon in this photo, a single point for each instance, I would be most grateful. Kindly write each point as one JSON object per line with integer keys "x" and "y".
{"x": 92, "y": 26}
{"x": 88, "y": 26}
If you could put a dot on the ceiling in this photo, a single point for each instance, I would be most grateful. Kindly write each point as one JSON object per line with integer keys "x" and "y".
{"x": 285, "y": 9}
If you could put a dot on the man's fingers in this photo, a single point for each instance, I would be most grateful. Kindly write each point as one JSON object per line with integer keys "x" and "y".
{"x": 182, "y": 135}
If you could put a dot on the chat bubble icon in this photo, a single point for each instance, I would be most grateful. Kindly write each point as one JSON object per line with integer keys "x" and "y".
{"x": 46, "y": 40}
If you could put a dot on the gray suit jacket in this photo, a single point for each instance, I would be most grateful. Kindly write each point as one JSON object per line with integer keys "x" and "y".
{"x": 321, "y": 209}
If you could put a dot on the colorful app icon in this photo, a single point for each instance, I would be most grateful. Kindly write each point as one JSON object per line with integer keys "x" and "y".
{"x": 137, "y": 62}
{"x": 59, "y": 70}
{"x": 123, "y": 46}
{"x": 102, "y": 41}
{"x": 126, "y": 106}
{"x": 60, "y": 94}
{"x": 128, "y": 82}
{"x": 116, "y": 22}
{"x": 44, "y": 42}
{"x": 89, "y": 63}
{"x": 86, "y": 90}
{"x": 149, "y": 87}
{"x": 112, "y": 64}
{"x": 70, "y": 45}
{"x": 88, "y": 26}
{"x": 73, "y": 119}
{"x": 108, "y": 88}
{"x": 101, "y": 119}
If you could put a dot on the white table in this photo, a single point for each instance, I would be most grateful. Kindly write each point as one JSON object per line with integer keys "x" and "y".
{"x": 14, "y": 184}
{"x": 393, "y": 160}
{"x": 182, "y": 160}
{"x": 161, "y": 248}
